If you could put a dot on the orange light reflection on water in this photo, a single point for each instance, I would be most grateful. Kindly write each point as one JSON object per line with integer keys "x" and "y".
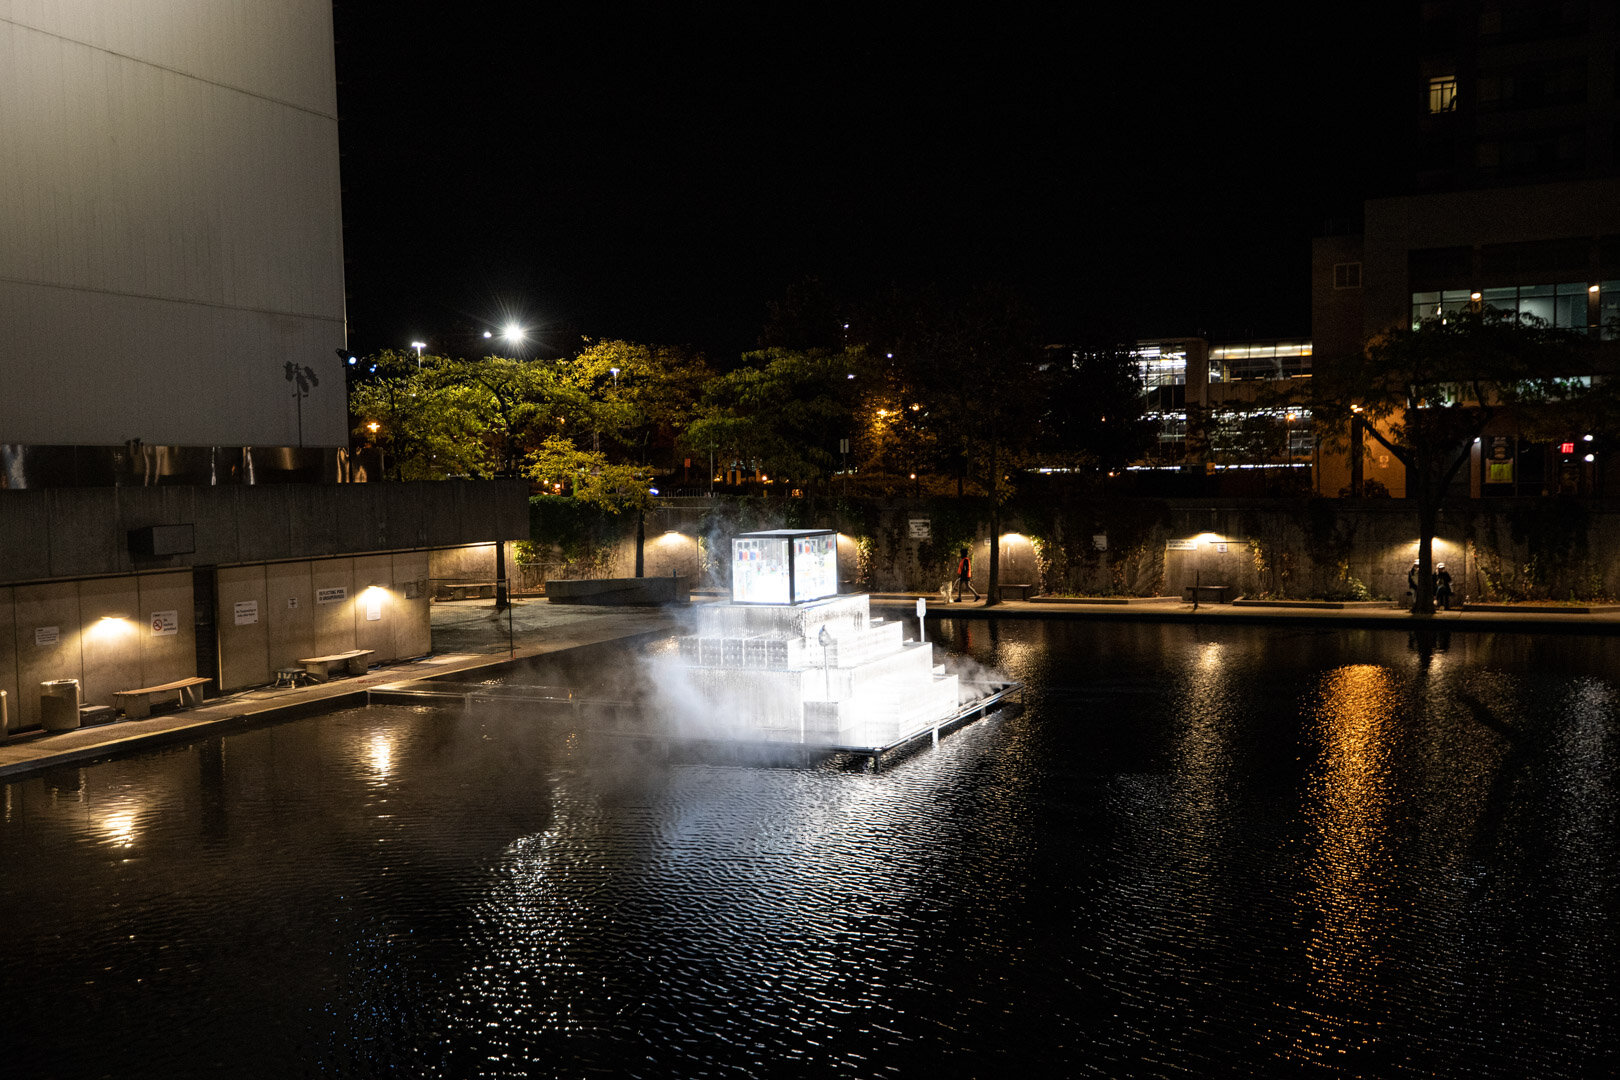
{"x": 1349, "y": 808}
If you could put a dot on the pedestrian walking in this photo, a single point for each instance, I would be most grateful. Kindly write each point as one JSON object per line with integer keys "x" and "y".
{"x": 1411, "y": 585}
{"x": 964, "y": 576}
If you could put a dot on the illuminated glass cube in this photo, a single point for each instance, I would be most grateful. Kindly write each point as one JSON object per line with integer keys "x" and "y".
{"x": 784, "y": 566}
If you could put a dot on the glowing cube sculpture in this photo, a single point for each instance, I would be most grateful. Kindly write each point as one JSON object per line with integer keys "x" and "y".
{"x": 788, "y": 659}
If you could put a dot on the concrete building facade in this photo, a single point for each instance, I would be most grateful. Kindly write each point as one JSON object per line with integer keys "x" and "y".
{"x": 175, "y": 416}
{"x": 1513, "y": 203}
{"x": 170, "y": 203}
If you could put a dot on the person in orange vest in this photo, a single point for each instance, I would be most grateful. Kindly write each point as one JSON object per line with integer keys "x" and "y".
{"x": 964, "y": 576}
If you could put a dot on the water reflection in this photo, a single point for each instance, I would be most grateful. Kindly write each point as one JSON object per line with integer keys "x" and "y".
{"x": 1225, "y": 852}
{"x": 1348, "y": 805}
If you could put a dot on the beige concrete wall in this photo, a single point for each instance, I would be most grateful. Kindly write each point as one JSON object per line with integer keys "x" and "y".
{"x": 104, "y": 637}
{"x": 43, "y": 612}
{"x": 8, "y": 657}
{"x": 289, "y": 614}
{"x": 84, "y": 532}
{"x": 244, "y": 631}
{"x": 294, "y": 623}
{"x": 172, "y": 201}
{"x": 166, "y": 657}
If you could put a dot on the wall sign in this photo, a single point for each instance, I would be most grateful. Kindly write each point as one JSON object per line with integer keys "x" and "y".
{"x": 1181, "y": 545}
{"x": 165, "y": 623}
{"x": 1099, "y": 541}
{"x": 373, "y": 608}
{"x": 331, "y": 596}
{"x": 47, "y": 635}
{"x": 292, "y": 603}
{"x": 247, "y": 612}
{"x": 919, "y": 528}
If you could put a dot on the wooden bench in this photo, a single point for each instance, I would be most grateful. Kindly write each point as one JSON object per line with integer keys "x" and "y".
{"x": 355, "y": 661}
{"x": 137, "y": 704}
{"x": 1022, "y": 591}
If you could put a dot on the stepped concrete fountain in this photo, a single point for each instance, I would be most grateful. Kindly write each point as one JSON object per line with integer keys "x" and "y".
{"x": 790, "y": 660}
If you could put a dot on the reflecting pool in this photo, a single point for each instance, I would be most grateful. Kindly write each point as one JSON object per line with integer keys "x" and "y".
{"x": 1227, "y": 850}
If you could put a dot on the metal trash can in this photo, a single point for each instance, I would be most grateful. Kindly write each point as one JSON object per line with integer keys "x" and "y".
{"x": 59, "y": 705}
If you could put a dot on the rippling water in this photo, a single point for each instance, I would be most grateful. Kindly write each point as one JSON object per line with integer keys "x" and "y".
{"x": 1224, "y": 851}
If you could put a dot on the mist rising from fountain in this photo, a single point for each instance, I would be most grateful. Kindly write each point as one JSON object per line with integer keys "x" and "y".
{"x": 788, "y": 660}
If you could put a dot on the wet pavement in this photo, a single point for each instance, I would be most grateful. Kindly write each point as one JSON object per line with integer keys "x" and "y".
{"x": 469, "y": 635}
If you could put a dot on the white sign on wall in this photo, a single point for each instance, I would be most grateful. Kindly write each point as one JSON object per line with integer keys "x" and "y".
{"x": 919, "y": 528}
{"x": 47, "y": 635}
{"x": 247, "y": 611}
{"x": 165, "y": 623}
{"x": 373, "y": 607}
{"x": 292, "y": 603}
{"x": 1099, "y": 541}
{"x": 331, "y": 596}
{"x": 1181, "y": 545}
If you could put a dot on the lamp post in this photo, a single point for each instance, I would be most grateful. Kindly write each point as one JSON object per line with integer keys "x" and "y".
{"x": 382, "y": 459}
{"x": 418, "y": 346}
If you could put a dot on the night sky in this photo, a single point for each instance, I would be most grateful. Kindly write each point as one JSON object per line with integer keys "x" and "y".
{"x": 662, "y": 175}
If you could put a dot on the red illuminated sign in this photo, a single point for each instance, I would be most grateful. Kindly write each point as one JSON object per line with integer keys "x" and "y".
{"x": 1566, "y": 448}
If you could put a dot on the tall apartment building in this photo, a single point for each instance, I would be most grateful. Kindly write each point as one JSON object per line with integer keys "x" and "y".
{"x": 1513, "y": 201}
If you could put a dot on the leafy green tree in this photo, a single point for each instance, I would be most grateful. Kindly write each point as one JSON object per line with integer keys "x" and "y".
{"x": 419, "y": 415}
{"x": 636, "y": 398}
{"x": 783, "y": 410}
{"x": 1092, "y": 410}
{"x": 1426, "y": 392}
{"x": 974, "y": 363}
{"x": 518, "y": 400}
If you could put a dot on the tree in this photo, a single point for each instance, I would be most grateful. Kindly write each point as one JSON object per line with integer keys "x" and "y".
{"x": 783, "y": 411}
{"x": 514, "y": 397}
{"x": 418, "y": 414}
{"x": 1093, "y": 413}
{"x": 975, "y": 363}
{"x": 1426, "y": 392}
{"x": 638, "y": 397}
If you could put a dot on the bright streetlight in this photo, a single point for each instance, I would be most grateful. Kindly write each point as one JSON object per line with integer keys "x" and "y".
{"x": 418, "y": 346}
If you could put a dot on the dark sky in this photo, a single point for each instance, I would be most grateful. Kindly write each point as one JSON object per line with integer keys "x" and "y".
{"x": 662, "y": 174}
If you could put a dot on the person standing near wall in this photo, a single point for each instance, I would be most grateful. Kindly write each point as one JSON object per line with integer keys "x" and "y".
{"x": 1442, "y": 586}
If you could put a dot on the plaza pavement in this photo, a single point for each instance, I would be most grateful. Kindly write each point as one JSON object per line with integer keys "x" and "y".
{"x": 467, "y": 635}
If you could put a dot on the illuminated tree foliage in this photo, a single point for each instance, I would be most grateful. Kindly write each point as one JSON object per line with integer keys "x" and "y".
{"x": 783, "y": 411}
{"x": 1426, "y": 392}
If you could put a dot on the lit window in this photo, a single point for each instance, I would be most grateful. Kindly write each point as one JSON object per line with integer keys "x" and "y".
{"x": 1443, "y": 94}
{"x": 1347, "y": 275}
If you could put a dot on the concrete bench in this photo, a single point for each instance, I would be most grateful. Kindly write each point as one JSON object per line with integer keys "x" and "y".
{"x": 355, "y": 662}
{"x": 464, "y": 590}
{"x": 1017, "y": 592}
{"x": 1216, "y": 594}
{"x": 137, "y": 704}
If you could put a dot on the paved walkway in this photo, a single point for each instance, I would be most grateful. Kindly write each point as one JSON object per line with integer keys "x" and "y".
{"x": 467, "y": 636}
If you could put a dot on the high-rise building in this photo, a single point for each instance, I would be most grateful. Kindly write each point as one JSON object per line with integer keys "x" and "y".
{"x": 1513, "y": 201}
{"x": 170, "y": 207}
{"x": 171, "y": 313}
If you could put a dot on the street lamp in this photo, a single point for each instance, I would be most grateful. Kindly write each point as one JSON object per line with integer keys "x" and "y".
{"x": 513, "y": 334}
{"x": 418, "y": 346}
